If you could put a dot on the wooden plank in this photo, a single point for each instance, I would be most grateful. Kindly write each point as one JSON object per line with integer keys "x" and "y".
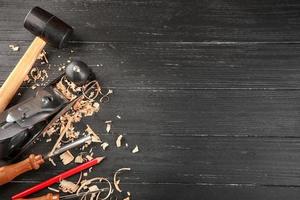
{"x": 238, "y": 113}
{"x": 245, "y": 161}
{"x": 181, "y": 191}
{"x": 181, "y": 66}
{"x": 169, "y": 20}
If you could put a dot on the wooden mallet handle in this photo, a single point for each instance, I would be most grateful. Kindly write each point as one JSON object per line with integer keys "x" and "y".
{"x": 49, "y": 196}
{"x": 17, "y": 76}
{"x": 9, "y": 172}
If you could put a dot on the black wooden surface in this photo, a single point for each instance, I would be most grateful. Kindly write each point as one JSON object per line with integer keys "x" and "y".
{"x": 208, "y": 89}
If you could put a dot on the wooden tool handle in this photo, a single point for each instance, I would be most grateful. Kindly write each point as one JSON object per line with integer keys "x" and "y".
{"x": 17, "y": 76}
{"x": 49, "y": 196}
{"x": 9, "y": 172}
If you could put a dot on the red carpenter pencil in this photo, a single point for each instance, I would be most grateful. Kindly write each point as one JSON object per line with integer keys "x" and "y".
{"x": 58, "y": 178}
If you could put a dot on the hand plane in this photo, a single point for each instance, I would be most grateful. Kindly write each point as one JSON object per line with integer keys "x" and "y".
{"x": 23, "y": 122}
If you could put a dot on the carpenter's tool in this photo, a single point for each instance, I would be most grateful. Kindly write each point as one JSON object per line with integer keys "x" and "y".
{"x": 58, "y": 178}
{"x": 48, "y": 29}
{"x": 33, "y": 162}
{"x": 51, "y": 196}
{"x": 21, "y": 124}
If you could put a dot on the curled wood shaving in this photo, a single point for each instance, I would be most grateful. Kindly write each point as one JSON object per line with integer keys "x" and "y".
{"x": 43, "y": 56}
{"x": 66, "y": 157}
{"x": 136, "y": 149}
{"x": 95, "y": 137}
{"x": 63, "y": 87}
{"x": 117, "y": 181}
{"x": 80, "y": 178}
{"x": 14, "y": 47}
{"x": 119, "y": 141}
{"x": 91, "y": 94}
{"x": 104, "y": 145}
{"x": 68, "y": 186}
{"x": 86, "y": 183}
{"x": 105, "y": 97}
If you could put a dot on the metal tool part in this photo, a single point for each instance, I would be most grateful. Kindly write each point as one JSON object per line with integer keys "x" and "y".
{"x": 69, "y": 146}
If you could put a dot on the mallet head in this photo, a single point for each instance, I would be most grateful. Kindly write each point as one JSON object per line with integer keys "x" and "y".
{"x": 47, "y": 26}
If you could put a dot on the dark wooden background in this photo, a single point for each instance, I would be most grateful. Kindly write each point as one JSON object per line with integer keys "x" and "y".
{"x": 209, "y": 90}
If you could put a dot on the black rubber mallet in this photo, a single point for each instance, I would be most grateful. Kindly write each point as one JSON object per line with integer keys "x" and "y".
{"x": 48, "y": 29}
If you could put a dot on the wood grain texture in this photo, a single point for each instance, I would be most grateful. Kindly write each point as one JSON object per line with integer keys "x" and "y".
{"x": 179, "y": 66}
{"x": 209, "y": 90}
{"x": 167, "y": 20}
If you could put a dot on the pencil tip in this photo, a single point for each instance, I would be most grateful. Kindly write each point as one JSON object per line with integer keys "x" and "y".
{"x": 99, "y": 159}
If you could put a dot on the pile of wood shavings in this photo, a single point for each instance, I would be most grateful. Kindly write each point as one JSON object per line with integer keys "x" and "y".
{"x": 37, "y": 77}
{"x": 83, "y": 107}
{"x": 65, "y": 129}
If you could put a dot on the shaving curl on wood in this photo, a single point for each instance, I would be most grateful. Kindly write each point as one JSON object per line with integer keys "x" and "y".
{"x": 117, "y": 181}
{"x": 90, "y": 186}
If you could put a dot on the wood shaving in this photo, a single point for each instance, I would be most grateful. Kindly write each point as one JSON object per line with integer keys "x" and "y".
{"x": 43, "y": 56}
{"x": 14, "y": 47}
{"x": 119, "y": 141}
{"x": 68, "y": 186}
{"x": 85, "y": 174}
{"x": 117, "y": 181}
{"x": 136, "y": 149}
{"x": 89, "y": 157}
{"x": 52, "y": 161}
{"x": 118, "y": 116}
{"x": 62, "y": 133}
{"x": 66, "y": 157}
{"x": 95, "y": 137}
{"x": 91, "y": 90}
{"x": 53, "y": 189}
{"x": 104, "y": 145}
{"x": 79, "y": 159}
{"x": 93, "y": 188}
{"x": 105, "y": 97}
{"x": 108, "y": 127}
{"x": 86, "y": 183}
{"x": 127, "y": 198}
